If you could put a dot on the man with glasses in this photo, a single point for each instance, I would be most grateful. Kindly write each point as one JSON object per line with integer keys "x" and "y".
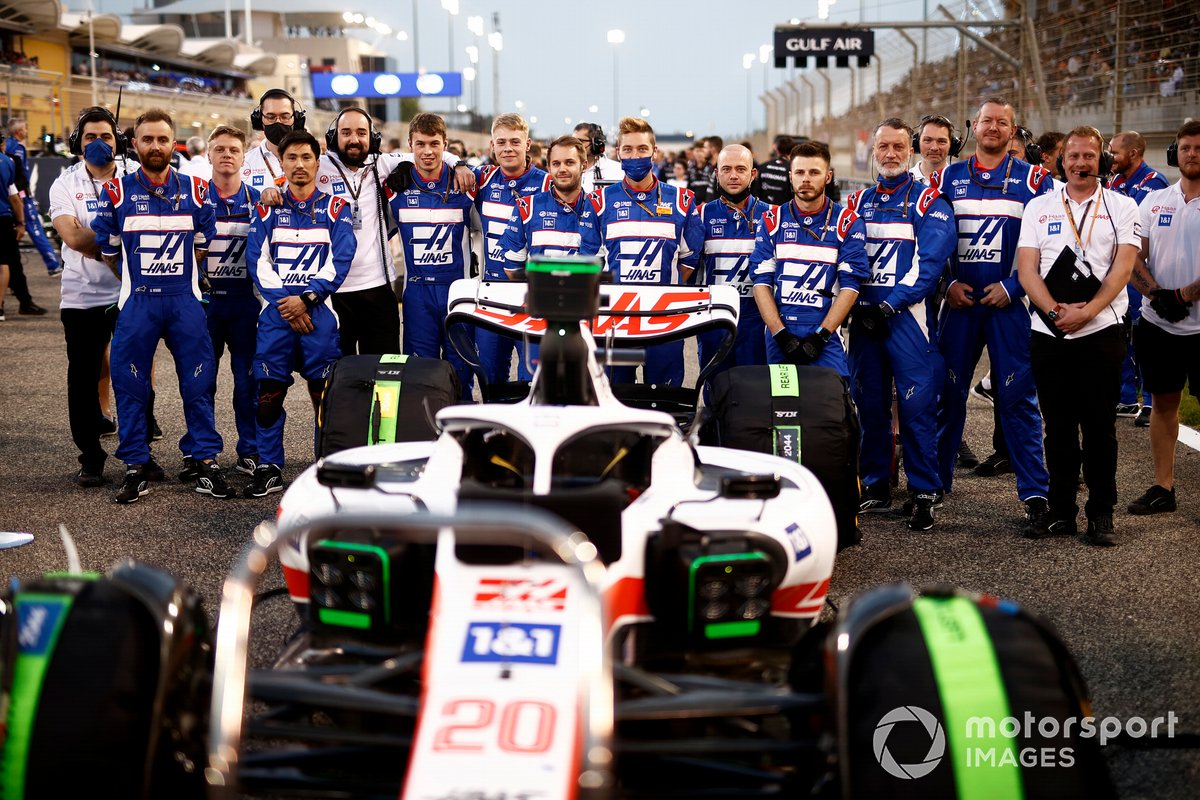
{"x": 276, "y": 116}
{"x": 989, "y": 192}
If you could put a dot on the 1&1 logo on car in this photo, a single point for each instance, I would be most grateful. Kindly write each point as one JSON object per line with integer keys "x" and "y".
{"x": 511, "y": 643}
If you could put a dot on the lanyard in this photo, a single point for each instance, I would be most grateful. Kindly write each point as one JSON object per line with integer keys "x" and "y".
{"x": 351, "y": 189}
{"x": 292, "y": 202}
{"x": 568, "y": 207}
{"x": 278, "y": 180}
{"x": 1007, "y": 171}
{"x": 229, "y": 213}
{"x": 92, "y": 181}
{"x": 161, "y": 194}
{"x": 824, "y": 226}
{"x": 1082, "y": 247}
{"x": 902, "y": 206}
{"x": 747, "y": 216}
{"x": 657, "y": 198}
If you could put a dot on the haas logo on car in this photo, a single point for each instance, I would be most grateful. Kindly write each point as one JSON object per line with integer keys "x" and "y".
{"x": 613, "y": 320}
{"x": 515, "y": 594}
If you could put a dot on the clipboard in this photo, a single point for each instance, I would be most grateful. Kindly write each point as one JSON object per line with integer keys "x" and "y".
{"x": 1070, "y": 280}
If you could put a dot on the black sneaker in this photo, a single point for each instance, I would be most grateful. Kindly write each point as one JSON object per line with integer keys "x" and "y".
{"x": 1047, "y": 527}
{"x": 922, "y": 512}
{"x": 993, "y": 465}
{"x": 108, "y": 426}
{"x": 193, "y": 468}
{"x": 1128, "y": 409}
{"x": 984, "y": 393}
{"x": 246, "y": 465}
{"x": 1100, "y": 533}
{"x": 1037, "y": 515}
{"x": 966, "y": 456}
{"x": 91, "y": 477}
{"x": 31, "y": 310}
{"x": 153, "y": 471}
{"x": 1142, "y": 420}
{"x": 268, "y": 479}
{"x": 2, "y": 317}
{"x": 212, "y": 482}
{"x": 134, "y": 487}
{"x": 875, "y": 498}
{"x": 1156, "y": 500}
{"x": 939, "y": 500}
{"x": 155, "y": 431}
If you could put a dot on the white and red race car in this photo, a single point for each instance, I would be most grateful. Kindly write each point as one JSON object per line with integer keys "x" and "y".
{"x": 560, "y": 597}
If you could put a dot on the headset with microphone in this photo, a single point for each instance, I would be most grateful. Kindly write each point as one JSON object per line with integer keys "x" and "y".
{"x": 596, "y": 141}
{"x": 1173, "y": 154}
{"x": 956, "y": 142}
{"x": 1106, "y": 163}
{"x": 298, "y": 114}
{"x": 375, "y": 145}
{"x": 96, "y": 114}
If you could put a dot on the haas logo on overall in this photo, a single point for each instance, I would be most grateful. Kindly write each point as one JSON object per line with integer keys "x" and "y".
{"x": 162, "y": 253}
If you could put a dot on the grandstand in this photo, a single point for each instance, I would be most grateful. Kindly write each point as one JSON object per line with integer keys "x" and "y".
{"x": 1067, "y": 74}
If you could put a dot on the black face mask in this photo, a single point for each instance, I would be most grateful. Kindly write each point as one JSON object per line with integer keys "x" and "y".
{"x": 276, "y": 131}
{"x": 736, "y": 199}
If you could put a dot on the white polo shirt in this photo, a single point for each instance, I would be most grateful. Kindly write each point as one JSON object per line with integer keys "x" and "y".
{"x": 606, "y": 170}
{"x": 1104, "y": 221}
{"x": 1173, "y": 228}
{"x": 86, "y": 282}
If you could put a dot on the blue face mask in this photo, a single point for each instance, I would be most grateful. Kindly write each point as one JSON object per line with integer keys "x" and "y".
{"x": 98, "y": 153}
{"x": 636, "y": 169}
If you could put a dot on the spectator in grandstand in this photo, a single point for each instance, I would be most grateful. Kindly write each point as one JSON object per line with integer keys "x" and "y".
{"x": 197, "y": 163}
{"x": 802, "y": 251}
{"x": 910, "y": 236}
{"x": 90, "y": 290}
{"x": 1168, "y": 335}
{"x": 729, "y": 224}
{"x": 600, "y": 170}
{"x": 1134, "y": 178}
{"x": 18, "y": 132}
{"x": 647, "y": 232}
{"x": 989, "y": 191}
{"x": 936, "y": 144}
{"x": 1075, "y": 281}
{"x": 774, "y": 184}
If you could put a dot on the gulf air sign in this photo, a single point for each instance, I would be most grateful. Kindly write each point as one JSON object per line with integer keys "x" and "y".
{"x": 800, "y": 43}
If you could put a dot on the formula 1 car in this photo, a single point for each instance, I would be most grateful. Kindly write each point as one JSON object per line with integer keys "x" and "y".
{"x": 559, "y": 597}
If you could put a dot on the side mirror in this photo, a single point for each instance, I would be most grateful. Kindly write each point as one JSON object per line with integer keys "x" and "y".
{"x": 345, "y": 476}
{"x": 750, "y": 487}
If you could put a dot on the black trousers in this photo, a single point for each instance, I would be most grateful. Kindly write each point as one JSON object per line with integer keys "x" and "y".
{"x": 10, "y": 254}
{"x": 88, "y": 331}
{"x": 1078, "y": 385}
{"x": 368, "y": 321}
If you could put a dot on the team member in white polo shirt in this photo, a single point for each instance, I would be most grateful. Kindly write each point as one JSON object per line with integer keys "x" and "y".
{"x": 1074, "y": 257}
{"x": 1167, "y": 337}
{"x": 89, "y": 288}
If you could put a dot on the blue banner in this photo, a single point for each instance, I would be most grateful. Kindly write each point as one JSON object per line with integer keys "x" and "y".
{"x": 386, "y": 84}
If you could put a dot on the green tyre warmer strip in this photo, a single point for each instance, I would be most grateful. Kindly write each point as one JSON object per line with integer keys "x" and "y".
{"x": 40, "y": 619}
{"x": 385, "y": 403}
{"x": 969, "y": 684}
{"x": 785, "y": 411}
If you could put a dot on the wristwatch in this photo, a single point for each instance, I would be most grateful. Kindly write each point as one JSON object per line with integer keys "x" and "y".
{"x": 825, "y": 334}
{"x": 1052, "y": 314}
{"x": 311, "y": 299}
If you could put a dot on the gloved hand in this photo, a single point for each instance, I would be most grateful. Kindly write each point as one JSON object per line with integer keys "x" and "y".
{"x": 1169, "y": 304}
{"x": 801, "y": 351}
{"x": 873, "y": 319}
{"x": 399, "y": 179}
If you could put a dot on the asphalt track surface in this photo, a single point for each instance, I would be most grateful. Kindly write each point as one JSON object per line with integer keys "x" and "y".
{"x": 1130, "y": 613}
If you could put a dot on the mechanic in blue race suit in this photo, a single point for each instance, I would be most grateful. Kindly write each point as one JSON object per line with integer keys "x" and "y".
{"x": 810, "y": 256}
{"x": 155, "y": 227}
{"x": 647, "y": 232}
{"x": 499, "y": 187}
{"x": 434, "y": 220}
{"x": 547, "y": 223}
{"x": 299, "y": 253}
{"x": 986, "y": 304}
{"x": 729, "y": 224}
{"x": 18, "y": 132}
{"x": 910, "y": 235}
{"x": 233, "y": 306}
{"x": 1134, "y": 178}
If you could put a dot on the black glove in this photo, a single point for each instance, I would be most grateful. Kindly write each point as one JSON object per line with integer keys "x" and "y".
{"x": 801, "y": 351}
{"x": 399, "y": 179}
{"x": 873, "y": 319}
{"x": 1169, "y": 304}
